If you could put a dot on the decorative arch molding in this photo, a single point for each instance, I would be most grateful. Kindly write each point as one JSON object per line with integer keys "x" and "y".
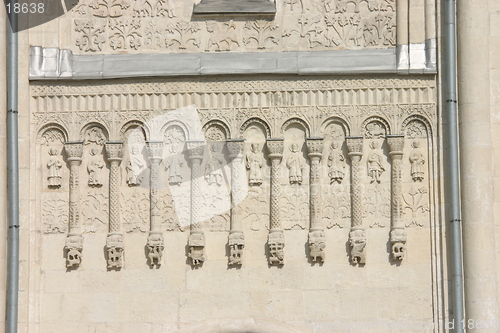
{"x": 133, "y": 124}
{"x": 298, "y": 121}
{"x": 375, "y": 119}
{"x": 48, "y": 127}
{"x": 217, "y": 124}
{"x": 88, "y": 126}
{"x": 336, "y": 120}
{"x": 259, "y": 121}
{"x": 420, "y": 119}
{"x": 180, "y": 124}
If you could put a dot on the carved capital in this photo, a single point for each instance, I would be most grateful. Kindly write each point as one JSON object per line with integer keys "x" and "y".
{"x": 396, "y": 144}
{"x": 155, "y": 149}
{"x": 235, "y": 147}
{"x": 357, "y": 240}
{"x": 317, "y": 245}
{"x": 155, "y": 248}
{"x": 196, "y": 149}
{"x": 114, "y": 150}
{"x": 74, "y": 248}
{"x": 196, "y": 244}
{"x": 114, "y": 245}
{"x": 276, "y": 244}
{"x": 314, "y": 147}
{"x": 74, "y": 150}
{"x": 398, "y": 243}
{"x": 236, "y": 244}
{"x": 275, "y": 147}
{"x": 354, "y": 145}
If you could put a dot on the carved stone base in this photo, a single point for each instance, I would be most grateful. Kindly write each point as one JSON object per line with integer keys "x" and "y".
{"x": 357, "y": 239}
{"x": 114, "y": 245}
{"x": 236, "y": 245}
{"x": 398, "y": 243}
{"x": 155, "y": 248}
{"x": 74, "y": 248}
{"x": 317, "y": 245}
{"x": 276, "y": 243}
{"x": 196, "y": 243}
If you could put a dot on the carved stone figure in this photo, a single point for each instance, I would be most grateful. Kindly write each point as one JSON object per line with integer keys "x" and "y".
{"x": 74, "y": 248}
{"x": 295, "y": 165}
{"x": 336, "y": 164}
{"x": 155, "y": 248}
{"x": 196, "y": 245}
{"x": 357, "y": 239}
{"x": 134, "y": 166}
{"x": 54, "y": 165}
{"x": 236, "y": 245}
{"x": 94, "y": 168}
{"x": 375, "y": 167}
{"x": 114, "y": 246}
{"x": 254, "y": 162}
{"x": 213, "y": 168}
{"x": 398, "y": 243}
{"x": 173, "y": 165}
{"x": 417, "y": 162}
{"x": 276, "y": 243}
{"x": 317, "y": 245}
{"x": 222, "y": 38}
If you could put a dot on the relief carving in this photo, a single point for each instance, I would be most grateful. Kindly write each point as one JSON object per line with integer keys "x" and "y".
{"x": 295, "y": 165}
{"x": 223, "y": 36}
{"x": 416, "y": 200}
{"x": 254, "y": 162}
{"x": 336, "y": 164}
{"x": 276, "y": 245}
{"x": 55, "y": 214}
{"x": 374, "y": 161}
{"x": 135, "y": 166}
{"x": 173, "y": 164}
{"x": 183, "y": 34}
{"x": 54, "y": 165}
{"x": 317, "y": 245}
{"x": 92, "y": 38}
{"x": 260, "y": 31}
{"x": 213, "y": 168}
{"x": 95, "y": 211}
{"x": 417, "y": 161}
{"x": 357, "y": 240}
{"x": 94, "y": 168}
{"x": 135, "y": 209}
{"x": 126, "y": 34}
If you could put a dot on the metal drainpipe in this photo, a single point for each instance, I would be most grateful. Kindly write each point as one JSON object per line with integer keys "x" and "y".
{"x": 13, "y": 176}
{"x": 450, "y": 108}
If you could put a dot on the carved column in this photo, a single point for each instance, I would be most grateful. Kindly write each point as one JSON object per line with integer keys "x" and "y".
{"x": 155, "y": 238}
{"x": 74, "y": 241}
{"x": 357, "y": 235}
{"x": 114, "y": 242}
{"x": 398, "y": 232}
{"x": 276, "y": 239}
{"x": 316, "y": 231}
{"x": 236, "y": 236}
{"x": 196, "y": 240}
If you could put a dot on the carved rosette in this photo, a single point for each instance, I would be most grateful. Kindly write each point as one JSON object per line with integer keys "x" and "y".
{"x": 74, "y": 240}
{"x": 236, "y": 240}
{"x": 196, "y": 241}
{"x": 316, "y": 233}
{"x": 357, "y": 237}
{"x": 398, "y": 232}
{"x": 276, "y": 239}
{"x": 155, "y": 152}
{"x": 114, "y": 243}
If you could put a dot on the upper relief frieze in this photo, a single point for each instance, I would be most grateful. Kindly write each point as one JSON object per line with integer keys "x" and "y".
{"x": 138, "y": 26}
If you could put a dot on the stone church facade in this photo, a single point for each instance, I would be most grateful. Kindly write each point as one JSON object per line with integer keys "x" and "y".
{"x": 212, "y": 166}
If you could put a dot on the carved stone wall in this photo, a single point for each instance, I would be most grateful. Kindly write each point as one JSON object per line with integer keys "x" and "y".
{"x": 143, "y": 25}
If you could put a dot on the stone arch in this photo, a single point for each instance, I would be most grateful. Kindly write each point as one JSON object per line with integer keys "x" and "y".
{"x": 175, "y": 123}
{"x": 218, "y": 125}
{"x": 258, "y": 121}
{"x": 44, "y": 130}
{"x": 336, "y": 120}
{"x": 302, "y": 123}
{"x": 133, "y": 124}
{"x": 382, "y": 124}
{"x": 418, "y": 119}
{"x": 86, "y": 136}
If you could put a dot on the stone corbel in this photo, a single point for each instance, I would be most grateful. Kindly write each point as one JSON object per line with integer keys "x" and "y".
{"x": 74, "y": 240}
{"x": 196, "y": 240}
{"x": 276, "y": 238}
{"x": 236, "y": 237}
{"x": 316, "y": 231}
{"x": 357, "y": 235}
{"x": 155, "y": 237}
{"x": 398, "y": 231}
{"x": 114, "y": 242}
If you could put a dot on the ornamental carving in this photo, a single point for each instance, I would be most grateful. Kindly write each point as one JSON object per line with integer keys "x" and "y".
{"x": 54, "y": 165}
